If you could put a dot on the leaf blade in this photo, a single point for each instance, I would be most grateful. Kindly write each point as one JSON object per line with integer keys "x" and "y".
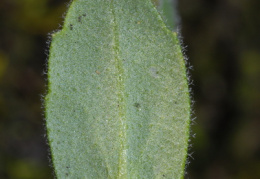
{"x": 110, "y": 102}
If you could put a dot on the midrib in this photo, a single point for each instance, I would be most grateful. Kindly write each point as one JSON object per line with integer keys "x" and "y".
{"x": 122, "y": 168}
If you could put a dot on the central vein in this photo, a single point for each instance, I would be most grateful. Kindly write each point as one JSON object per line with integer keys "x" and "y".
{"x": 122, "y": 168}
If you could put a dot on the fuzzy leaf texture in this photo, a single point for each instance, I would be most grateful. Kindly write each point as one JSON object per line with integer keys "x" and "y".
{"x": 118, "y": 102}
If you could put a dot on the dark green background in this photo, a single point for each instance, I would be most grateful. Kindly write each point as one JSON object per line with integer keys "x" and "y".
{"x": 222, "y": 42}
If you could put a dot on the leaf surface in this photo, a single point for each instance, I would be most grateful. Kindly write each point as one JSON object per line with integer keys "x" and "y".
{"x": 169, "y": 12}
{"x": 118, "y": 104}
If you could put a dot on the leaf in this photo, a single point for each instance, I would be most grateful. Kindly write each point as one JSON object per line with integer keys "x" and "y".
{"x": 168, "y": 12}
{"x": 118, "y": 103}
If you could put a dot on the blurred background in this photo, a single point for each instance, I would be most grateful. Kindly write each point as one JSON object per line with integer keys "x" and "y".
{"x": 222, "y": 42}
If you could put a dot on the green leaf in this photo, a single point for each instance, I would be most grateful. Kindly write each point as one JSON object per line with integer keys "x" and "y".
{"x": 168, "y": 12}
{"x": 118, "y": 104}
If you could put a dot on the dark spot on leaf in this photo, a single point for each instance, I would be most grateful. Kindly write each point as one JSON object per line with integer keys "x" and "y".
{"x": 84, "y": 15}
{"x": 154, "y": 72}
{"x": 79, "y": 19}
{"x": 67, "y": 167}
{"x": 71, "y": 27}
{"x": 67, "y": 174}
{"x": 163, "y": 175}
{"x": 137, "y": 105}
